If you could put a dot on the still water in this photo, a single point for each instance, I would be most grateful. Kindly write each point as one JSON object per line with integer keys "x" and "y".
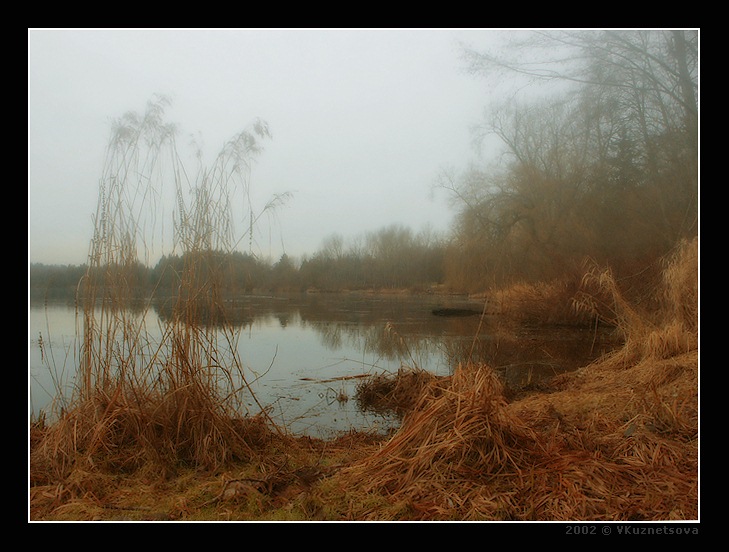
{"x": 307, "y": 353}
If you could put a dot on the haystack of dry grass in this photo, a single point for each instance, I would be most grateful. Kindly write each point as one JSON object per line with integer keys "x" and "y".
{"x": 458, "y": 437}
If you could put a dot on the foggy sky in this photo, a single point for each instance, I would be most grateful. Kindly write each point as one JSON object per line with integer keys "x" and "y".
{"x": 362, "y": 121}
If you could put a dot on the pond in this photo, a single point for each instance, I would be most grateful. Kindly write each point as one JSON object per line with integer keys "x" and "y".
{"x": 307, "y": 353}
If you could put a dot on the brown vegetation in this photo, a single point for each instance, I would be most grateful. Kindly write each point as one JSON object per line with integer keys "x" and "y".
{"x": 607, "y": 171}
{"x": 615, "y": 440}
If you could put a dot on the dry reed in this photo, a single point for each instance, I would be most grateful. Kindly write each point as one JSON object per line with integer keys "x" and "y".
{"x": 541, "y": 303}
{"x": 662, "y": 332}
{"x": 143, "y": 400}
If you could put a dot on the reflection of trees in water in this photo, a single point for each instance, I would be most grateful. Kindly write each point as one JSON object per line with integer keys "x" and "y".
{"x": 405, "y": 329}
{"x": 208, "y": 315}
{"x": 377, "y": 339}
{"x": 527, "y": 355}
{"x": 520, "y": 355}
{"x": 239, "y": 312}
{"x": 330, "y": 334}
{"x": 401, "y": 329}
{"x": 392, "y": 328}
{"x": 284, "y": 318}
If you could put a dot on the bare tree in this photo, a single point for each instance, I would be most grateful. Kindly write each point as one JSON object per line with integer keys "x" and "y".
{"x": 607, "y": 166}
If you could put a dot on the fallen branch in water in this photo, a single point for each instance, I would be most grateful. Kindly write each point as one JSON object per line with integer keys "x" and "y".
{"x": 339, "y": 378}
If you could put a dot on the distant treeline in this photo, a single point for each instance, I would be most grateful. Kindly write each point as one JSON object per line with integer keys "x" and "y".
{"x": 393, "y": 257}
{"x": 54, "y": 281}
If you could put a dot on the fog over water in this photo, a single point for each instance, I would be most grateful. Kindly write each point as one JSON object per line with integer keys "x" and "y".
{"x": 362, "y": 122}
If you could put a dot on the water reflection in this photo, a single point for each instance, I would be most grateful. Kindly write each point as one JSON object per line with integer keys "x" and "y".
{"x": 306, "y": 352}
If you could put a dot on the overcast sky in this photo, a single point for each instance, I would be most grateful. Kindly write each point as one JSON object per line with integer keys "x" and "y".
{"x": 362, "y": 121}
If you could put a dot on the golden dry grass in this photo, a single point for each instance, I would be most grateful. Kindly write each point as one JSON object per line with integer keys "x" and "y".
{"x": 614, "y": 440}
{"x": 605, "y": 444}
{"x": 397, "y": 392}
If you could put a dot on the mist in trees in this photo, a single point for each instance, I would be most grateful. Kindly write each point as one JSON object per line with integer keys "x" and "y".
{"x": 391, "y": 257}
{"x": 598, "y": 160}
{"x": 606, "y": 166}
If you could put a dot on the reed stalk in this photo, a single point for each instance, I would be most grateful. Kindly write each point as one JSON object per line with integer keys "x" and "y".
{"x": 159, "y": 397}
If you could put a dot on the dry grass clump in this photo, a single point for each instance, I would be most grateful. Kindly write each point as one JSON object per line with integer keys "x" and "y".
{"x": 241, "y": 490}
{"x": 623, "y": 444}
{"x": 397, "y": 392}
{"x": 601, "y": 444}
{"x": 541, "y": 303}
{"x": 157, "y": 435}
{"x": 176, "y": 396}
{"x": 612, "y": 445}
{"x": 669, "y": 329}
{"x": 458, "y": 437}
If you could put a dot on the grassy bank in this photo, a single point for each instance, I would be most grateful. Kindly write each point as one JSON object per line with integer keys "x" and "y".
{"x": 615, "y": 440}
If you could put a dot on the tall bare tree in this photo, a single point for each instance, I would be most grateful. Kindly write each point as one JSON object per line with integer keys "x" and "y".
{"x": 606, "y": 163}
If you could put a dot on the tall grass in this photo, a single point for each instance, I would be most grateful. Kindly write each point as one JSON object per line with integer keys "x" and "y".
{"x": 176, "y": 394}
{"x": 669, "y": 324}
{"x": 616, "y": 440}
